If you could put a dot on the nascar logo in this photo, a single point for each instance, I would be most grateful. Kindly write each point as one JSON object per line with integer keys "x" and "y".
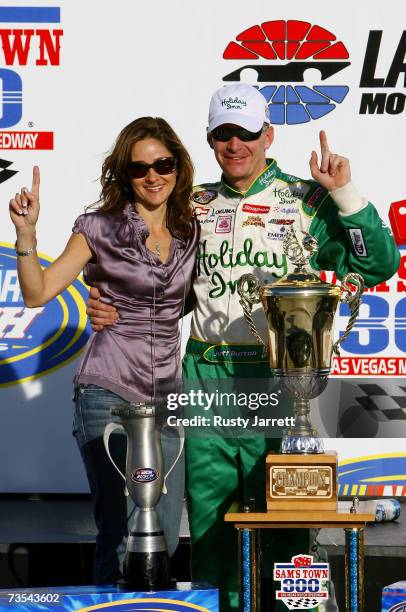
{"x": 36, "y": 341}
{"x": 144, "y": 475}
{"x": 302, "y": 46}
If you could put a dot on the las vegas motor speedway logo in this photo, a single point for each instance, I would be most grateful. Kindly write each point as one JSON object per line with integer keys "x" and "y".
{"x": 290, "y": 48}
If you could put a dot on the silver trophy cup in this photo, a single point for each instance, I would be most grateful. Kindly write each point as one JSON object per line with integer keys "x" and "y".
{"x": 146, "y": 563}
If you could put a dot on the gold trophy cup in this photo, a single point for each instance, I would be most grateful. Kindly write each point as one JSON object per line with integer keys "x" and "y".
{"x": 300, "y": 310}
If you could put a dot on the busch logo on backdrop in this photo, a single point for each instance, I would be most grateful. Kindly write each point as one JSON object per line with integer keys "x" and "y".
{"x": 36, "y": 341}
{"x": 25, "y": 43}
{"x": 303, "y": 582}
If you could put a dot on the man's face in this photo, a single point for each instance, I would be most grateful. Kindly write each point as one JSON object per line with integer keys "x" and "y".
{"x": 241, "y": 162}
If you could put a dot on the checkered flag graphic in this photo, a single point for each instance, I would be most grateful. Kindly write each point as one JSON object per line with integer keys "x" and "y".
{"x": 384, "y": 405}
{"x": 303, "y": 603}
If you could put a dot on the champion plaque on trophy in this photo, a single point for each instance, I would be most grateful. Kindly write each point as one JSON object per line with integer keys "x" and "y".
{"x": 300, "y": 310}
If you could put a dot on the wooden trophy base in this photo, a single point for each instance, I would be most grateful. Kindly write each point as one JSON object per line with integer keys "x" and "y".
{"x": 301, "y": 482}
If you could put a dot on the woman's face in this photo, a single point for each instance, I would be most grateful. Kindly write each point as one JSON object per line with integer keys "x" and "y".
{"x": 153, "y": 189}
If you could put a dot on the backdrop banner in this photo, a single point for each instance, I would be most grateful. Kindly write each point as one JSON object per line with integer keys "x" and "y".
{"x": 73, "y": 75}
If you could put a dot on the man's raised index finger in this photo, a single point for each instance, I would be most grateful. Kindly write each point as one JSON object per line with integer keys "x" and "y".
{"x": 323, "y": 141}
{"x": 35, "y": 180}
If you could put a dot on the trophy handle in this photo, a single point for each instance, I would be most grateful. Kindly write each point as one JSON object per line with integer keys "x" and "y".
{"x": 181, "y": 445}
{"x": 353, "y": 299}
{"x": 250, "y": 296}
{"x": 108, "y": 430}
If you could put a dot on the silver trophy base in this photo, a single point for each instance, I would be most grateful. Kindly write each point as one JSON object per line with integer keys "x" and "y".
{"x": 146, "y": 562}
{"x": 301, "y": 445}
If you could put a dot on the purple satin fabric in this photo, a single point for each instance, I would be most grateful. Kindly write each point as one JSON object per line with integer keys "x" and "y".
{"x": 138, "y": 357}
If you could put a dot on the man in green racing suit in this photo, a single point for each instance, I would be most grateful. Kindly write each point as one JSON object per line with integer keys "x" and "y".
{"x": 243, "y": 219}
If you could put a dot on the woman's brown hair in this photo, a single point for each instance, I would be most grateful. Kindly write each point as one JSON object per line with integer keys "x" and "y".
{"x": 116, "y": 185}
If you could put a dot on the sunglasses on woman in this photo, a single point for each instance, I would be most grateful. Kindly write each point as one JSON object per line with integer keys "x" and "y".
{"x": 165, "y": 165}
{"x": 224, "y": 134}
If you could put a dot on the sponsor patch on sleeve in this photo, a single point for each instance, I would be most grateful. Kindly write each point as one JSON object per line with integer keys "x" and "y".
{"x": 357, "y": 240}
{"x": 312, "y": 202}
{"x": 204, "y": 197}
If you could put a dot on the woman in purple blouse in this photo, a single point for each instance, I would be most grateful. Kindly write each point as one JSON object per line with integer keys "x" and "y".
{"x": 138, "y": 248}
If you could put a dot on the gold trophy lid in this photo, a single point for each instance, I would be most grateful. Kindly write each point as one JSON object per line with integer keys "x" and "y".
{"x": 301, "y": 280}
{"x": 298, "y": 281}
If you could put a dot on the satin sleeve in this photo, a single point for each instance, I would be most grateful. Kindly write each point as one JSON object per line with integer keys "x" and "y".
{"x": 84, "y": 224}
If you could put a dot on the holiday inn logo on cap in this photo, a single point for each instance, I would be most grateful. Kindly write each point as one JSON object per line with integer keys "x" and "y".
{"x": 233, "y": 102}
{"x": 289, "y": 48}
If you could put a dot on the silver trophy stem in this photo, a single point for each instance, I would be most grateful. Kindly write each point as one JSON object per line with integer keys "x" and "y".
{"x": 302, "y": 437}
{"x": 146, "y": 523}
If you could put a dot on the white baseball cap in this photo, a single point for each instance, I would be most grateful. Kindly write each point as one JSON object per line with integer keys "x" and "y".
{"x": 241, "y": 104}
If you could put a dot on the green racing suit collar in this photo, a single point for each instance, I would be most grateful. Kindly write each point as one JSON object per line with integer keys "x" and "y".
{"x": 263, "y": 180}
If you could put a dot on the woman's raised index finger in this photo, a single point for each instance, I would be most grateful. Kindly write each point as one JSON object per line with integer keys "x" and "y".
{"x": 35, "y": 180}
